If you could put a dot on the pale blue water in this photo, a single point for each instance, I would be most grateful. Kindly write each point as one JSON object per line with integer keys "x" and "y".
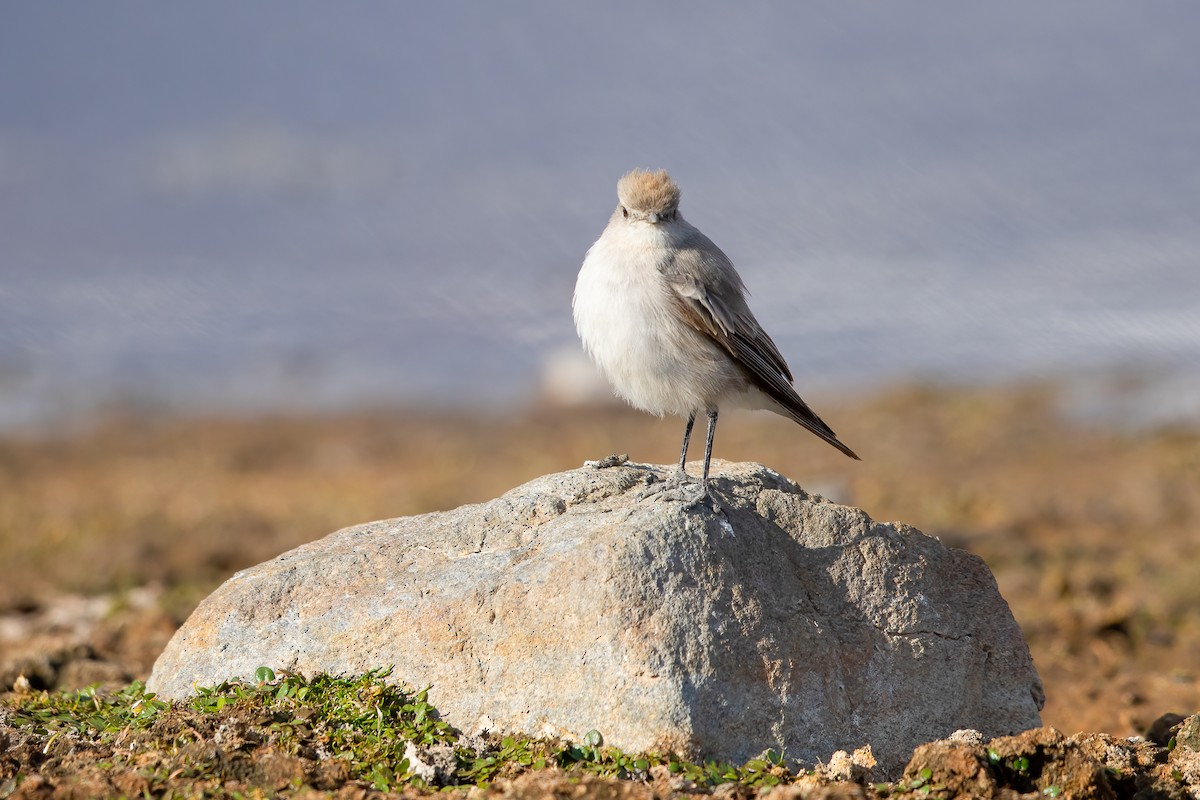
{"x": 283, "y": 205}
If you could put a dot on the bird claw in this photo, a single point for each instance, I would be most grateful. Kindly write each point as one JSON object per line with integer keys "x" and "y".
{"x": 699, "y": 497}
{"x": 680, "y": 488}
{"x": 704, "y": 498}
{"x": 667, "y": 489}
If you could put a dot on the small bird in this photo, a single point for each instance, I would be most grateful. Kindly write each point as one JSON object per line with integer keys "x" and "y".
{"x": 663, "y": 313}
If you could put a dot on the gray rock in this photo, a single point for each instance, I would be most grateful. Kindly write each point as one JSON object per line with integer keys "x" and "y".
{"x": 967, "y": 736}
{"x": 573, "y": 603}
{"x": 435, "y": 764}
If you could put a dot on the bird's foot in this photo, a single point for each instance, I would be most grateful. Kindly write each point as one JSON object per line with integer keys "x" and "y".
{"x": 698, "y": 496}
{"x": 681, "y": 488}
{"x": 615, "y": 460}
{"x": 663, "y": 489}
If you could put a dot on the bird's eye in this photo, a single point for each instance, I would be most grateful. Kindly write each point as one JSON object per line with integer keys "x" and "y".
{"x": 624, "y": 212}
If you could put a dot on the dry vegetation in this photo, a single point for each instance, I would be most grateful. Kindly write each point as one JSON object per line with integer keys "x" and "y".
{"x": 1094, "y": 535}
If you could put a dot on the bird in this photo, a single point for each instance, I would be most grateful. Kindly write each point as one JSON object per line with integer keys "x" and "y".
{"x": 662, "y": 312}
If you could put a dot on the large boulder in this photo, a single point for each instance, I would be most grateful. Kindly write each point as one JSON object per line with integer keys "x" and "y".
{"x": 584, "y": 600}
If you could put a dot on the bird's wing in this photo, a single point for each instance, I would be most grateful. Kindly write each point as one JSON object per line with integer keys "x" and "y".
{"x": 710, "y": 297}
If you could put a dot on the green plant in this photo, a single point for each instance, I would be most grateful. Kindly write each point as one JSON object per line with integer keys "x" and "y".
{"x": 364, "y": 723}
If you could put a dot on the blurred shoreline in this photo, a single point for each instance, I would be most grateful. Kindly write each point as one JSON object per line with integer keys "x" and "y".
{"x": 1128, "y": 395}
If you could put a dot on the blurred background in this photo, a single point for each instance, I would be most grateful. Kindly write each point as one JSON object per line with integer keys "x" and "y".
{"x": 305, "y": 206}
{"x": 270, "y": 269}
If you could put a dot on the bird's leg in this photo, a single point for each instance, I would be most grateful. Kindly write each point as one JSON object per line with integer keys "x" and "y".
{"x": 681, "y": 473}
{"x": 677, "y": 487}
{"x": 672, "y": 485}
{"x": 700, "y": 495}
{"x": 712, "y": 429}
{"x": 704, "y": 496}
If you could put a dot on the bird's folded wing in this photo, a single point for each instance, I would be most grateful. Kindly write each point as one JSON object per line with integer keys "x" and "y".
{"x": 738, "y": 333}
{"x": 749, "y": 345}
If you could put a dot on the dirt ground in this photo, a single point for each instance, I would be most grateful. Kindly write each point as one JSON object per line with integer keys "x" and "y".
{"x": 110, "y": 533}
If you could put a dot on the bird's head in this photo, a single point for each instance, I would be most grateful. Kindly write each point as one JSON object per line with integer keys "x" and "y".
{"x": 648, "y": 196}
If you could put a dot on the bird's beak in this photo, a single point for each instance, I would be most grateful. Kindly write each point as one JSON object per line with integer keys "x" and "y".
{"x": 654, "y": 218}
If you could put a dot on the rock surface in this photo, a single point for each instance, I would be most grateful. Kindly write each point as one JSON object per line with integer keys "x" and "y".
{"x": 574, "y": 603}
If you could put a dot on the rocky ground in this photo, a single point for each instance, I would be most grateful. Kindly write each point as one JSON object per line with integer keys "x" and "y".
{"x": 109, "y": 535}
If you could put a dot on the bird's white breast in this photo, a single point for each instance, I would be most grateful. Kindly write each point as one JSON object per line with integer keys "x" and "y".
{"x": 626, "y": 318}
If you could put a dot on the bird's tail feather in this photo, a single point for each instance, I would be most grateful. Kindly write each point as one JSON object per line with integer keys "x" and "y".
{"x": 799, "y": 411}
